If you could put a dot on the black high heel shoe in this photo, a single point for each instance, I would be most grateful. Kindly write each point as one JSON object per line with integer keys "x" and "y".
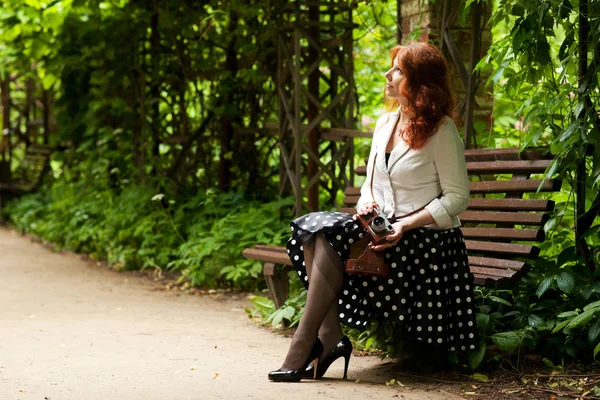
{"x": 297, "y": 374}
{"x": 342, "y": 349}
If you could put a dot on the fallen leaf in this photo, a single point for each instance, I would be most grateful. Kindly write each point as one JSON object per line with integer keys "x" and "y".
{"x": 480, "y": 377}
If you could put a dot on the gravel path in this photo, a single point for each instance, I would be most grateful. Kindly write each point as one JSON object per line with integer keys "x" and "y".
{"x": 72, "y": 329}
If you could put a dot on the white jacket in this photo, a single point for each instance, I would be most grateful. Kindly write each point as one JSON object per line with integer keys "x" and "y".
{"x": 415, "y": 178}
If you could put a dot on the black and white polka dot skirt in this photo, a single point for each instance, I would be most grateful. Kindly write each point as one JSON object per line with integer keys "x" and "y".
{"x": 428, "y": 294}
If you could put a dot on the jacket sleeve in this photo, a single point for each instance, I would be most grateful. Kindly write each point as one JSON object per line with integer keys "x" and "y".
{"x": 365, "y": 190}
{"x": 449, "y": 159}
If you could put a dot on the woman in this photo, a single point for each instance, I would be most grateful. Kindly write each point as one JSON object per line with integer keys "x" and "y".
{"x": 419, "y": 180}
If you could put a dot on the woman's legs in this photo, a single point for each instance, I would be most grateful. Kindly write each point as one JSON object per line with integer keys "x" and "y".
{"x": 326, "y": 278}
{"x": 330, "y": 331}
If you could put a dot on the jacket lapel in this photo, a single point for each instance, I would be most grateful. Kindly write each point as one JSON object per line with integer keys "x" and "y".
{"x": 399, "y": 151}
{"x": 385, "y": 138}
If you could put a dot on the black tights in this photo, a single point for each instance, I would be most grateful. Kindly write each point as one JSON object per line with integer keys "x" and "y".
{"x": 325, "y": 272}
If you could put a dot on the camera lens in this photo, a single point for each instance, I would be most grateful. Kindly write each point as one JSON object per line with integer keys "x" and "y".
{"x": 378, "y": 224}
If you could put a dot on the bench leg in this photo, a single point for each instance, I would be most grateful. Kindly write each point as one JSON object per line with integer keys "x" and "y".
{"x": 277, "y": 282}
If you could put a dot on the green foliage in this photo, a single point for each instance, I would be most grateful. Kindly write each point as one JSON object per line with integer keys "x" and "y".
{"x": 287, "y": 315}
{"x": 224, "y": 226}
{"x": 136, "y": 229}
{"x": 154, "y": 89}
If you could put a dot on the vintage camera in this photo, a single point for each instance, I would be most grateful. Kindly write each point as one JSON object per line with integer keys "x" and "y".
{"x": 377, "y": 225}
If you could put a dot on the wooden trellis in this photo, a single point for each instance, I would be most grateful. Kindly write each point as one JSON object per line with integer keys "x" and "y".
{"x": 25, "y": 118}
{"x": 317, "y": 100}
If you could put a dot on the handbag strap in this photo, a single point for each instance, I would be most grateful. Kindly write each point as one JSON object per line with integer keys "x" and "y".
{"x": 372, "y": 175}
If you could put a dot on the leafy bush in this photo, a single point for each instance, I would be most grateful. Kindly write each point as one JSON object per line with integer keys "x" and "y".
{"x": 134, "y": 228}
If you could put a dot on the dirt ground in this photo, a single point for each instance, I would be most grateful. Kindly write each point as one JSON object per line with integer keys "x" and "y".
{"x": 73, "y": 329}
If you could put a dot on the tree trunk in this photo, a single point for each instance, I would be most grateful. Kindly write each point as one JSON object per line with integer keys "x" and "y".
{"x": 229, "y": 100}
{"x": 581, "y": 224}
{"x": 313, "y": 112}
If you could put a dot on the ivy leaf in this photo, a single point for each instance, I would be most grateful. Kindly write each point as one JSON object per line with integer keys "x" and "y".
{"x": 518, "y": 10}
{"x": 518, "y": 39}
{"x": 594, "y": 332}
{"x": 548, "y": 21}
{"x": 565, "y": 9}
{"x": 567, "y": 133}
{"x": 482, "y": 320}
{"x": 565, "y": 282}
{"x": 567, "y": 314}
{"x": 543, "y": 52}
{"x": 476, "y": 357}
{"x": 582, "y": 318}
{"x": 500, "y": 300}
{"x": 564, "y": 47}
{"x": 578, "y": 109}
{"x": 534, "y": 320}
{"x": 593, "y": 305}
{"x": 262, "y": 304}
{"x": 544, "y": 286}
{"x": 506, "y": 341}
{"x": 566, "y": 255}
{"x": 560, "y": 326}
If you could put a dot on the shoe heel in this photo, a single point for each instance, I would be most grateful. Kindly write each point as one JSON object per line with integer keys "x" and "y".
{"x": 347, "y": 359}
{"x": 316, "y": 368}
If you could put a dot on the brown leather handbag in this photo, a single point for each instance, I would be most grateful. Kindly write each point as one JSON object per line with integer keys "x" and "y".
{"x": 366, "y": 261}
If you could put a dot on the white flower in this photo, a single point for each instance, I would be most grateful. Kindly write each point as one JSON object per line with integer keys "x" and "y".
{"x": 158, "y": 197}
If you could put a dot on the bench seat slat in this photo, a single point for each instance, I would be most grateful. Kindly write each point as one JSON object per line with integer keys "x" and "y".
{"x": 486, "y": 204}
{"x": 280, "y": 249}
{"x": 508, "y": 167}
{"x": 504, "y": 217}
{"x": 504, "y": 273}
{"x": 506, "y": 249}
{"x": 505, "y": 154}
{"x": 491, "y": 281}
{"x": 504, "y": 233}
{"x": 514, "y": 186}
{"x": 267, "y": 255}
{"x": 493, "y": 167}
{"x": 509, "y": 186}
{"x": 16, "y": 188}
{"x": 499, "y": 263}
{"x": 510, "y": 204}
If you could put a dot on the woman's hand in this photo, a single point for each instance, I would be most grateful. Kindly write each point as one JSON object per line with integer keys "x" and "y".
{"x": 393, "y": 238}
{"x": 365, "y": 209}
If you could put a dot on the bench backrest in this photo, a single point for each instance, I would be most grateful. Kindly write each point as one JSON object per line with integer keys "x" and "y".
{"x": 32, "y": 167}
{"x": 503, "y": 221}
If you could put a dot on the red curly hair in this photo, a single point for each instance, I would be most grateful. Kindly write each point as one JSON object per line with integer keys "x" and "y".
{"x": 427, "y": 89}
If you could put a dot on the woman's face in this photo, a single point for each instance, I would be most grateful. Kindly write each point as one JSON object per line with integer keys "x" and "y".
{"x": 394, "y": 77}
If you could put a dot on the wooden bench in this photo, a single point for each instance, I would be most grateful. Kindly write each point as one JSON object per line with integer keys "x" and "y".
{"x": 500, "y": 226}
{"x": 28, "y": 175}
